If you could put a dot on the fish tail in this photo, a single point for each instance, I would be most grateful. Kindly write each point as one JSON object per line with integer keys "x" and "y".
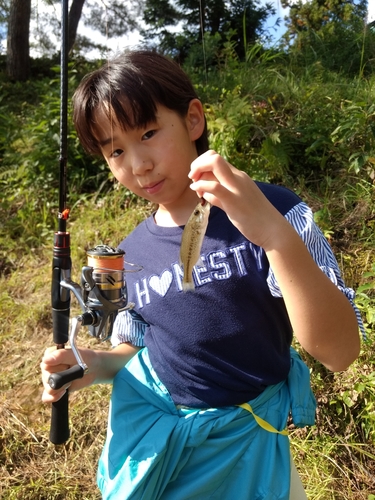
{"x": 188, "y": 285}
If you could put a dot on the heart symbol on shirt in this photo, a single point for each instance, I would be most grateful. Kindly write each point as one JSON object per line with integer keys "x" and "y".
{"x": 161, "y": 284}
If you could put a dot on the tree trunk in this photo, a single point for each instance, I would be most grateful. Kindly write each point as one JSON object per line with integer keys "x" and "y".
{"x": 18, "y": 48}
{"x": 74, "y": 17}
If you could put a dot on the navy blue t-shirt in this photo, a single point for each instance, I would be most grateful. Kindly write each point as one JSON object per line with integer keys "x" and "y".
{"x": 224, "y": 342}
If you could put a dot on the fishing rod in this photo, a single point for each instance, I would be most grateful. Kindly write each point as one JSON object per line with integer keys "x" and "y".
{"x": 102, "y": 293}
{"x": 61, "y": 264}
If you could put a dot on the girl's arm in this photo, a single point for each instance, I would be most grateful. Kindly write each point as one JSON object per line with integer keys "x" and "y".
{"x": 322, "y": 318}
{"x": 102, "y": 367}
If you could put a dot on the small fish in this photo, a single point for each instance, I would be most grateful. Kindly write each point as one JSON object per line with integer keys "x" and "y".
{"x": 191, "y": 242}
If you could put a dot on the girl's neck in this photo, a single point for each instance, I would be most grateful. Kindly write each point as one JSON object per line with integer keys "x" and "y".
{"x": 176, "y": 217}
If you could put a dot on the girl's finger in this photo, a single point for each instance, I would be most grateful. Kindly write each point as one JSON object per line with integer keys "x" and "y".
{"x": 53, "y": 356}
{"x": 53, "y": 396}
{"x": 212, "y": 166}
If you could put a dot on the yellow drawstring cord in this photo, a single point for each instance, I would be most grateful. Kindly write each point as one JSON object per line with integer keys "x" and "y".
{"x": 262, "y": 423}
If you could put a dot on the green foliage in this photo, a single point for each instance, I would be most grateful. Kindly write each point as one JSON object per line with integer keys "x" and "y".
{"x": 265, "y": 115}
{"x": 356, "y": 129}
{"x": 32, "y": 145}
{"x": 29, "y": 165}
{"x": 366, "y": 299}
{"x": 333, "y": 33}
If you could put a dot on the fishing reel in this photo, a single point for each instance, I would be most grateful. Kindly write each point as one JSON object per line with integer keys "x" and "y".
{"x": 101, "y": 295}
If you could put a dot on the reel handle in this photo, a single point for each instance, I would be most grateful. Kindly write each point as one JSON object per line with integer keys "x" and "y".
{"x": 59, "y": 379}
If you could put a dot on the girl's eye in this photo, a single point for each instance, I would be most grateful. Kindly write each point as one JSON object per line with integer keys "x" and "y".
{"x": 148, "y": 134}
{"x": 116, "y": 153}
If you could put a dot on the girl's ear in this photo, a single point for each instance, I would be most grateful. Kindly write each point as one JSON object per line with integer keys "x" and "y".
{"x": 195, "y": 119}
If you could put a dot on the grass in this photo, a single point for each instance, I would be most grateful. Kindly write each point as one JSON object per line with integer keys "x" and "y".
{"x": 330, "y": 470}
{"x": 335, "y": 458}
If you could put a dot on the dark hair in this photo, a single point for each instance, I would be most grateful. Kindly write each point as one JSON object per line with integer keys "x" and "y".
{"x": 129, "y": 88}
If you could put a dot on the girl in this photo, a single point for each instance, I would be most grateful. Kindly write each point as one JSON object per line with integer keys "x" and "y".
{"x": 204, "y": 380}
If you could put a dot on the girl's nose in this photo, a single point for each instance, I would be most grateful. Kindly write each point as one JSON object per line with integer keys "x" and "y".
{"x": 141, "y": 164}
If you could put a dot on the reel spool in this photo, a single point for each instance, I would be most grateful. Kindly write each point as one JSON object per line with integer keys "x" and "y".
{"x": 108, "y": 274}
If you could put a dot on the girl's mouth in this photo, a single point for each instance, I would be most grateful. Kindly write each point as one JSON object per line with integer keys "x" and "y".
{"x": 154, "y": 188}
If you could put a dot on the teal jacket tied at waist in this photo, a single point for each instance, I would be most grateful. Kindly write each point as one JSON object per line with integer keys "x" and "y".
{"x": 155, "y": 451}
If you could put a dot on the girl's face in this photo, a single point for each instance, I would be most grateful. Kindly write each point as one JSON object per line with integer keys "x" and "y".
{"x": 154, "y": 161}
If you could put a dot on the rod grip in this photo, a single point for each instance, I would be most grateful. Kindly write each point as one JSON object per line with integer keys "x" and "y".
{"x": 59, "y": 430}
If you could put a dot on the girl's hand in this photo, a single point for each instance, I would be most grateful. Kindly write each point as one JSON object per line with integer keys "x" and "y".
{"x": 102, "y": 365}
{"x": 232, "y": 190}
{"x": 57, "y": 360}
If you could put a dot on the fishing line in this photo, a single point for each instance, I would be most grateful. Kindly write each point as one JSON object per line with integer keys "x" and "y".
{"x": 110, "y": 109}
{"x": 201, "y": 18}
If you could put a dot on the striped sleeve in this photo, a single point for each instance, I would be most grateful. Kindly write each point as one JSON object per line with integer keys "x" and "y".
{"x": 302, "y": 219}
{"x": 129, "y": 327}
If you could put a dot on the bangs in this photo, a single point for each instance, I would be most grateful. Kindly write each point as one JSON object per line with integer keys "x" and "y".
{"x": 132, "y": 106}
